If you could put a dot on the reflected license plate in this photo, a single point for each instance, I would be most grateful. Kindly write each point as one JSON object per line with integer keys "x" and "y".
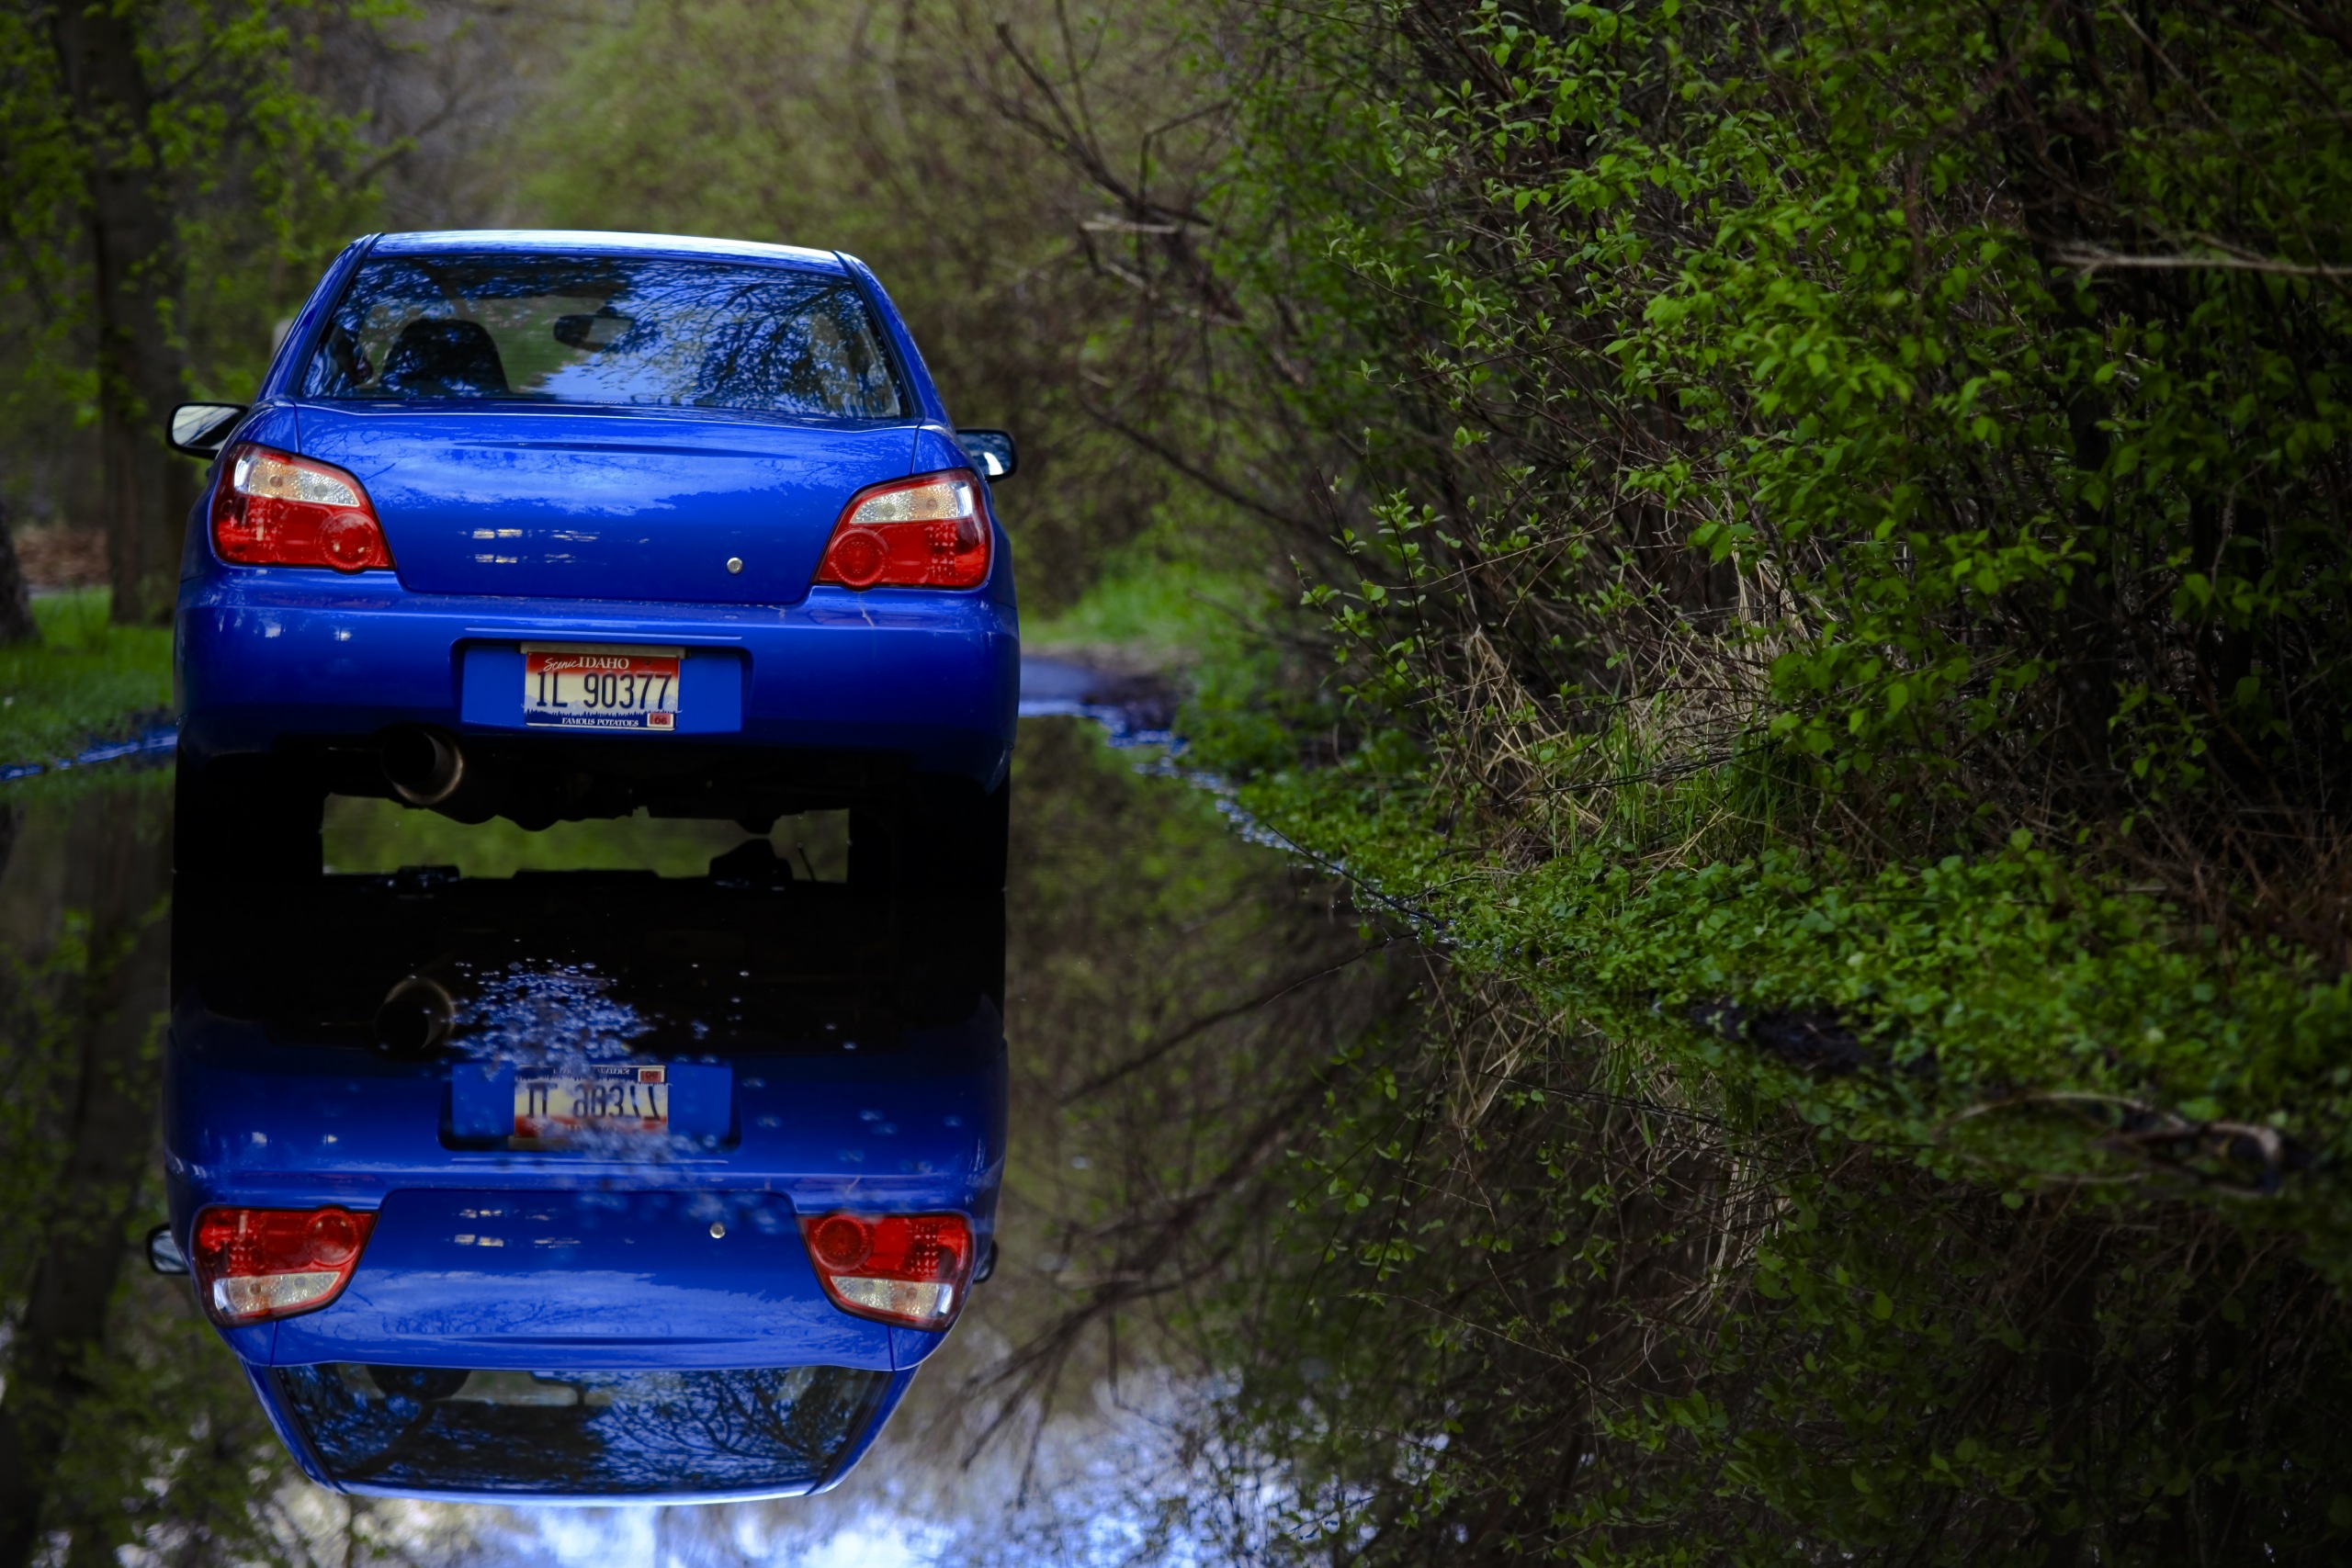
{"x": 576, "y": 686}
{"x": 621, "y": 1097}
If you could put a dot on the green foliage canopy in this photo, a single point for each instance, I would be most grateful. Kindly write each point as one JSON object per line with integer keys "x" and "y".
{"x": 170, "y": 184}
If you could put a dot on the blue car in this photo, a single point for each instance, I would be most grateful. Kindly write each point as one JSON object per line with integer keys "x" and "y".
{"x": 587, "y": 1185}
{"x": 554, "y": 526}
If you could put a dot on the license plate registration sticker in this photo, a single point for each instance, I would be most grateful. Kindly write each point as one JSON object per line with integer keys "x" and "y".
{"x": 619, "y": 1097}
{"x": 600, "y": 687}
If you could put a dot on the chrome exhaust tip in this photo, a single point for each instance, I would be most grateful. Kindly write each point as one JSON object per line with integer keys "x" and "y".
{"x": 424, "y": 768}
{"x": 416, "y": 1016}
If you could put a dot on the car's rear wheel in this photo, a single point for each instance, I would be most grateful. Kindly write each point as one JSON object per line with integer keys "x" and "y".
{"x": 253, "y": 819}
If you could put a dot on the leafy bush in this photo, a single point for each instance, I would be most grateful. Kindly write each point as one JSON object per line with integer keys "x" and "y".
{"x": 1843, "y": 502}
{"x": 1772, "y": 459}
{"x": 1940, "y": 400}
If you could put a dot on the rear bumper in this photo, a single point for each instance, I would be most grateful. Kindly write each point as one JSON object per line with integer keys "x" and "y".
{"x": 271, "y": 660}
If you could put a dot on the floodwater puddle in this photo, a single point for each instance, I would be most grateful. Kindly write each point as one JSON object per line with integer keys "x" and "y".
{"x": 685, "y": 1045}
{"x": 1274, "y": 1224}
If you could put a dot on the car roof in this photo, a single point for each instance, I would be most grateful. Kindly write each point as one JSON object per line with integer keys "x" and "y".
{"x": 600, "y": 242}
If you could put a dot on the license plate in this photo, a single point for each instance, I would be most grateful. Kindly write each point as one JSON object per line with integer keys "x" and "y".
{"x": 600, "y": 687}
{"x": 604, "y": 1098}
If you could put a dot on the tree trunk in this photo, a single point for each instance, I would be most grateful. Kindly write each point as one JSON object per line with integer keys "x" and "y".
{"x": 108, "y": 1146}
{"x": 135, "y": 262}
{"x": 17, "y": 623}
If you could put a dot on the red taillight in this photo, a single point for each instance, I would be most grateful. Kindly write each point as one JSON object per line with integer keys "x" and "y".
{"x": 257, "y": 1264}
{"x": 275, "y": 509}
{"x": 930, "y": 531}
{"x": 908, "y": 1269}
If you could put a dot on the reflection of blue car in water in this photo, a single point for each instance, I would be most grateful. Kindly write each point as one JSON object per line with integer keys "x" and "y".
{"x": 564, "y": 526}
{"x": 583, "y": 1185}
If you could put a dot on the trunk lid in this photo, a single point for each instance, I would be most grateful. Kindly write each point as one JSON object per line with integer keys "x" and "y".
{"x": 587, "y": 1277}
{"x": 604, "y": 503}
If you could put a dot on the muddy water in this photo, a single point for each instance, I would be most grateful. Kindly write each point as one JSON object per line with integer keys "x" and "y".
{"x": 1166, "y": 991}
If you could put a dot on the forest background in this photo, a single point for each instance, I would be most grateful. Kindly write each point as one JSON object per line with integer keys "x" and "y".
{"x": 1795, "y": 550}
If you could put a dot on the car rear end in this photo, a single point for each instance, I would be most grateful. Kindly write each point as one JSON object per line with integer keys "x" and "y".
{"x": 551, "y": 526}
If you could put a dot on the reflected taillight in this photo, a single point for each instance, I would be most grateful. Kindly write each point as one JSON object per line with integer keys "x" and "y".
{"x": 273, "y": 509}
{"x": 904, "y": 1269}
{"x": 929, "y": 532}
{"x": 255, "y": 1264}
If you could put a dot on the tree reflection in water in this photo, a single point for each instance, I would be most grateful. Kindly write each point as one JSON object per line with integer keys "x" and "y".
{"x": 1301, "y": 1236}
{"x": 1392, "y": 1272}
{"x": 1176, "y": 999}
{"x": 1150, "y": 954}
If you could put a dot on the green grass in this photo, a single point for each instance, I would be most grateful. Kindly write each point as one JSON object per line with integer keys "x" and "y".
{"x": 1161, "y": 611}
{"x": 86, "y": 679}
{"x": 2012, "y": 1009}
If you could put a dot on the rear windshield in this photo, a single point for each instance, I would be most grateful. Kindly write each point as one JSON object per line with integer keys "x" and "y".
{"x": 606, "y": 330}
{"x": 606, "y": 1433}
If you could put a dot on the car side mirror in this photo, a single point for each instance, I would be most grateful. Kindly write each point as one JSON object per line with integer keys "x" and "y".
{"x": 992, "y": 449}
{"x": 200, "y": 430}
{"x": 163, "y": 1254}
